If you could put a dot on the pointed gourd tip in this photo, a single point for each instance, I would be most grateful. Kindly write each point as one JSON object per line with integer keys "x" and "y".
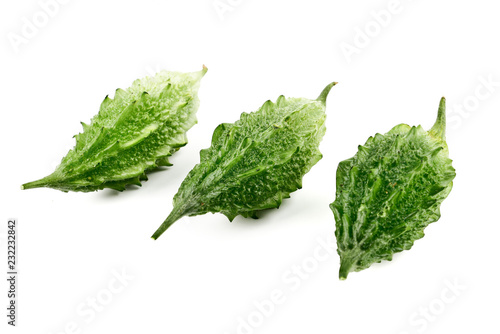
{"x": 163, "y": 227}
{"x": 343, "y": 274}
{"x": 204, "y": 69}
{"x": 346, "y": 264}
{"x": 158, "y": 232}
{"x": 324, "y": 94}
{"x": 34, "y": 184}
{"x": 174, "y": 216}
{"x": 439, "y": 128}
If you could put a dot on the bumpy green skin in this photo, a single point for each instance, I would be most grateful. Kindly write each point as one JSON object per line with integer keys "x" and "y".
{"x": 389, "y": 192}
{"x": 133, "y": 133}
{"x": 254, "y": 163}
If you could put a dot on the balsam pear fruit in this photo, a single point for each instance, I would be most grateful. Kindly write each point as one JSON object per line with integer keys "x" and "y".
{"x": 133, "y": 133}
{"x": 389, "y": 192}
{"x": 255, "y": 162}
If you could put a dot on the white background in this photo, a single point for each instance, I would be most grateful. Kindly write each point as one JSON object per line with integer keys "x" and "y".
{"x": 205, "y": 274}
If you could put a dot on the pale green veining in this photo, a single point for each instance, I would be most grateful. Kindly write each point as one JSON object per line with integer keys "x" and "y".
{"x": 255, "y": 162}
{"x": 134, "y": 132}
{"x": 389, "y": 192}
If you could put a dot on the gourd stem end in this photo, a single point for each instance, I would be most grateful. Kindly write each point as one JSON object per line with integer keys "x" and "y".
{"x": 324, "y": 94}
{"x": 176, "y": 214}
{"x": 439, "y": 128}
